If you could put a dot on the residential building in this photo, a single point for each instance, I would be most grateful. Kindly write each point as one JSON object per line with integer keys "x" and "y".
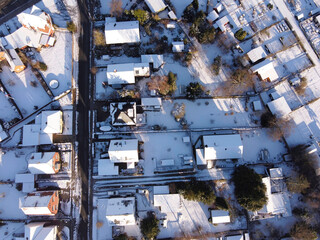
{"x": 126, "y": 73}
{"x": 156, "y": 5}
{"x": 40, "y": 231}
{"x": 155, "y": 59}
{"x": 220, "y": 216}
{"x": 44, "y": 163}
{"x": 107, "y": 168}
{"x": 123, "y": 114}
{"x": 121, "y": 211}
{"x": 124, "y": 151}
{"x": 40, "y": 203}
{"x": 265, "y": 71}
{"x": 122, "y": 32}
{"x": 212, "y": 16}
{"x": 222, "y": 23}
{"x": 279, "y": 107}
{"x": 256, "y": 54}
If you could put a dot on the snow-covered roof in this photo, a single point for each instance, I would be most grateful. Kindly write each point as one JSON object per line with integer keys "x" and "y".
{"x": 23, "y": 37}
{"x": 36, "y": 203}
{"x": 200, "y": 157}
{"x": 276, "y": 173}
{"x": 266, "y": 70}
{"x": 177, "y": 46}
{"x": 161, "y": 189}
{"x": 37, "y": 231}
{"x": 156, "y": 59}
{"x": 13, "y": 59}
{"x": 51, "y": 121}
{"x": 219, "y": 7}
{"x": 107, "y": 168}
{"x": 212, "y": 16}
{"x": 279, "y": 107}
{"x": 24, "y": 177}
{"x": 3, "y": 134}
{"x": 121, "y": 211}
{"x": 32, "y": 136}
{"x": 257, "y": 106}
{"x": 167, "y": 202}
{"x": 41, "y": 163}
{"x": 151, "y": 102}
{"x": 222, "y": 147}
{"x": 125, "y": 150}
{"x": 122, "y": 32}
{"x": 220, "y": 216}
{"x": 172, "y": 15}
{"x": 235, "y": 237}
{"x": 155, "y": 5}
{"x": 318, "y": 18}
{"x": 256, "y": 54}
{"x": 295, "y": 81}
{"x": 221, "y": 23}
{"x": 123, "y": 113}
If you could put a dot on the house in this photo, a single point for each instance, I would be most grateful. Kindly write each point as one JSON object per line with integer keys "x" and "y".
{"x": 121, "y": 211}
{"x": 167, "y": 203}
{"x": 40, "y": 203}
{"x": 124, "y": 151}
{"x": 265, "y": 71}
{"x": 36, "y": 20}
{"x": 123, "y": 114}
{"x": 279, "y": 107}
{"x": 41, "y": 132}
{"x": 256, "y": 54}
{"x": 151, "y": 104}
{"x": 40, "y": 231}
{"x": 155, "y": 59}
{"x": 220, "y": 216}
{"x": 219, "y": 147}
{"x": 177, "y": 46}
{"x": 126, "y": 73}
{"x": 12, "y": 58}
{"x": 156, "y": 5}
{"x": 122, "y": 32}
{"x": 212, "y": 16}
{"x": 219, "y": 7}
{"x": 278, "y": 203}
{"x": 27, "y": 180}
{"x": 221, "y": 23}
{"x": 44, "y": 163}
{"x": 107, "y": 168}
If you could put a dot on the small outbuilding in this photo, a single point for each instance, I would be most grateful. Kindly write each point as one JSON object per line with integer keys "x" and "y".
{"x": 177, "y": 46}
{"x": 279, "y": 107}
{"x": 220, "y": 216}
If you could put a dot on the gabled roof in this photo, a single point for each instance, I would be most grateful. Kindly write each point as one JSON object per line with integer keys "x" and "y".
{"x": 212, "y": 16}
{"x": 279, "y": 107}
{"x": 41, "y": 163}
{"x": 32, "y": 136}
{"x": 155, "y": 5}
{"x": 256, "y": 54}
{"x": 51, "y": 121}
{"x": 36, "y": 203}
{"x": 38, "y": 231}
{"x": 122, "y": 32}
{"x": 220, "y": 216}
{"x": 266, "y": 70}
{"x": 222, "y": 147}
{"x": 125, "y": 150}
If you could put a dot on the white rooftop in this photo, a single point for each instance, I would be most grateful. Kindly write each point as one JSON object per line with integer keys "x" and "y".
{"x": 221, "y": 23}
{"x": 266, "y": 70}
{"x": 256, "y": 54}
{"x": 276, "y": 173}
{"x": 156, "y": 59}
{"x": 41, "y": 163}
{"x": 51, "y": 121}
{"x": 107, "y": 168}
{"x": 200, "y": 157}
{"x": 122, "y": 32}
{"x": 32, "y": 136}
{"x": 125, "y": 73}
{"x": 177, "y": 46}
{"x": 154, "y": 102}
{"x": 212, "y": 16}
{"x": 167, "y": 202}
{"x": 37, "y": 231}
{"x": 121, "y": 211}
{"x": 155, "y": 5}
{"x": 36, "y": 204}
{"x": 222, "y": 147}
{"x": 123, "y": 150}
{"x": 220, "y": 216}
{"x": 279, "y": 107}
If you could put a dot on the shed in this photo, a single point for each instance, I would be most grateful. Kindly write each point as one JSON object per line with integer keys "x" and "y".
{"x": 177, "y": 46}
{"x": 279, "y": 107}
{"x": 299, "y": 16}
{"x": 257, "y": 106}
{"x": 256, "y": 54}
{"x": 122, "y": 32}
{"x": 220, "y": 216}
{"x": 156, "y": 5}
{"x": 276, "y": 173}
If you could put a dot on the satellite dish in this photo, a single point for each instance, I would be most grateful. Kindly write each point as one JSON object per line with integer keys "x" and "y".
{"x": 54, "y": 84}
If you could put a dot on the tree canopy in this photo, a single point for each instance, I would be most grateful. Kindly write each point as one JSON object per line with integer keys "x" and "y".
{"x": 149, "y": 226}
{"x": 250, "y": 191}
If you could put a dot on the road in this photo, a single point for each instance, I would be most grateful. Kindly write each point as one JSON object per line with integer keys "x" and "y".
{"x": 83, "y": 119}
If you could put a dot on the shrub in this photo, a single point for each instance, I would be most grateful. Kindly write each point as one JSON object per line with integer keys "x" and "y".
{"x": 201, "y": 30}
{"x": 301, "y": 230}
{"x": 240, "y": 34}
{"x": 242, "y": 77}
{"x": 141, "y": 15}
{"x": 149, "y": 226}
{"x": 190, "y": 12}
{"x": 194, "y": 90}
{"x": 116, "y": 7}
{"x": 298, "y": 184}
{"x": 166, "y": 85}
{"x": 250, "y": 191}
{"x": 188, "y": 57}
{"x": 302, "y": 86}
{"x": 99, "y": 38}
{"x": 221, "y": 203}
{"x": 216, "y": 66}
{"x": 43, "y": 66}
{"x": 270, "y": 6}
{"x": 196, "y": 191}
{"x": 71, "y": 27}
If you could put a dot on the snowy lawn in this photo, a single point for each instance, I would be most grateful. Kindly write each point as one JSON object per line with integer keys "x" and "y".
{"x": 205, "y": 113}
{"x": 102, "y": 91}
{"x": 25, "y": 96}
{"x": 284, "y": 89}
{"x": 313, "y": 89}
{"x": 105, "y": 5}
{"x": 59, "y": 61}
{"x": 7, "y": 110}
{"x": 13, "y": 162}
{"x": 9, "y": 202}
{"x": 7, "y": 231}
{"x": 160, "y": 146}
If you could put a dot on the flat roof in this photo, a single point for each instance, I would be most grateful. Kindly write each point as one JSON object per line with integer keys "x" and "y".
{"x": 220, "y": 216}
{"x": 121, "y": 74}
{"x": 107, "y": 168}
{"x": 120, "y": 206}
{"x": 125, "y": 150}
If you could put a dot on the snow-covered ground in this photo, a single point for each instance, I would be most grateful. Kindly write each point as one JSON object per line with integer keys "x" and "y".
{"x": 8, "y": 231}
{"x": 7, "y": 110}
{"x": 25, "y": 96}
{"x": 59, "y": 62}
{"x": 105, "y": 5}
{"x": 9, "y": 202}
